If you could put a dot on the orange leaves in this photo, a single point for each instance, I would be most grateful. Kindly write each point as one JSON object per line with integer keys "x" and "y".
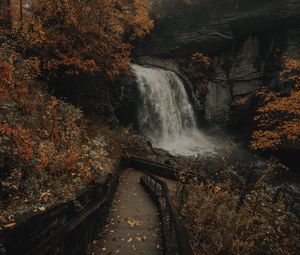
{"x": 19, "y": 138}
{"x": 278, "y": 119}
{"x": 26, "y": 153}
{"x": 224, "y": 217}
{"x": 138, "y": 19}
{"x": 72, "y": 157}
{"x": 22, "y": 90}
{"x": 6, "y": 130}
{"x": 291, "y": 70}
{"x": 4, "y": 94}
{"x": 202, "y": 59}
{"x": 5, "y": 73}
{"x": 84, "y": 36}
{"x": 55, "y": 134}
{"x": 265, "y": 139}
{"x": 291, "y": 129}
{"x": 24, "y": 143}
{"x": 72, "y": 37}
{"x": 35, "y": 66}
{"x": 240, "y": 102}
{"x": 199, "y": 70}
{"x": 279, "y": 115}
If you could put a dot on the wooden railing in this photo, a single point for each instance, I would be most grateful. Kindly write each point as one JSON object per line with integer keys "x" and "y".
{"x": 57, "y": 228}
{"x": 159, "y": 169}
{"x": 174, "y": 234}
{"x": 65, "y": 229}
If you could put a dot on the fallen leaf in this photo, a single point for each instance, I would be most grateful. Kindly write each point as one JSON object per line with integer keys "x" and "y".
{"x": 10, "y": 225}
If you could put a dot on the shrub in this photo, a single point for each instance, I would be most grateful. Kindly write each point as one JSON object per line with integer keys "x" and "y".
{"x": 278, "y": 116}
{"x": 222, "y": 221}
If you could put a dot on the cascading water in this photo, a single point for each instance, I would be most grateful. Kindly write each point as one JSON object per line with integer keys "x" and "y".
{"x": 165, "y": 115}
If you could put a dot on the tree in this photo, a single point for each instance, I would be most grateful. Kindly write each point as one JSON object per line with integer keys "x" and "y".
{"x": 81, "y": 36}
{"x": 279, "y": 114}
{"x": 199, "y": 69}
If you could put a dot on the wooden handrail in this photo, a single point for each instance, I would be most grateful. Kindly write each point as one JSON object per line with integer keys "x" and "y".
{"x": 184, "y": 247}
{"x": 48, "y": 243}
{"x": 164, "y": 168}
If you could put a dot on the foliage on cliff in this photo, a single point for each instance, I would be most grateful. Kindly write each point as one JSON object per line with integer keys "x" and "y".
{"x": 47, "y": 152}
{"x": 79, "y": 36}
{"x": 199, "y": 70}
{"x": 279, "y": 114}
{"x": 223, "y": 218}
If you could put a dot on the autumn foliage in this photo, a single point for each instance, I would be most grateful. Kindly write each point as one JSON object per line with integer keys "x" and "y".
{"x": 199, "y": 70}
{"x": 35, "y": 127}
{"x": 46, "y": 151}
{"x": 219, "y": 222}
{"x": 279, "y": 114}
{"x": 80, "y": 36}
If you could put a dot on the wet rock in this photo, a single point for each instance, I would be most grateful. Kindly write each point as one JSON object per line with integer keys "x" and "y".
{"x": 212, "y": 26}
{"x": 218, "y": 98}
{"x": 241, "y": 36}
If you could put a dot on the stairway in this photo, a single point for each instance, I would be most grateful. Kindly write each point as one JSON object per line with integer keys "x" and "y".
{"x": 133, "y": 223}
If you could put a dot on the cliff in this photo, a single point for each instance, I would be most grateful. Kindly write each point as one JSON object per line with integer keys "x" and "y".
{"x": 245, "y": 39}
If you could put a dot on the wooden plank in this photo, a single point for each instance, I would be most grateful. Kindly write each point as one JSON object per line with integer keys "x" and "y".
{"x": 161, "y": 169}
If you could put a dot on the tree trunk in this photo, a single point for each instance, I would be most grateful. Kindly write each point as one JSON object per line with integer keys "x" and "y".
{"x": 16, "y": 12}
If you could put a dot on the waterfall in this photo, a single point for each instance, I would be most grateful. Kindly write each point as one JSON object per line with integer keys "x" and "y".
{"x": 165, "y": 114}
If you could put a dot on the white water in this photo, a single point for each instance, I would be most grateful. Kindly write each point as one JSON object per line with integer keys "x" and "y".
{"x": 166, "y": 116}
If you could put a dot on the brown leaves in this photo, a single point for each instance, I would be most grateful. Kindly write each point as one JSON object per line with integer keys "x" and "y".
{"x": 240, "y": 102}
{"x": 202, "y": 59}
{"x": 41, "y": 136}
{"x": 26, "y": 153}
{"x": 132, "y": 222}
{"x": 5, "y": 72}
{"x": 36, "y": 129}
{"x": 10, "y": 225}
{"x": 199, "y": 70}
{"x": 259, "y": 225}
{"x": 279, "y": 115}
{"x": 6, "y": 130}
{"x": 83, "y": 36}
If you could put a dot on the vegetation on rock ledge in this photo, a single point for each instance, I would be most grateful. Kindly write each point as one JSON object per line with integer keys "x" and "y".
{"x": 48, "y": 152}
{"x": 279, "y": 114}
{"x": 229, "y": 215}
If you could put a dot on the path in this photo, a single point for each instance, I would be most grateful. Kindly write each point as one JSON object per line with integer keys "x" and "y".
{"x": 134, "y": 226}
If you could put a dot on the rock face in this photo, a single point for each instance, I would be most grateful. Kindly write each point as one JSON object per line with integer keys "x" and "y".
{"x": 211, "y": 26}
{"x": 240, "y": 71}
{"x": 244, "y": 37}
{"x": 218, "y": 98}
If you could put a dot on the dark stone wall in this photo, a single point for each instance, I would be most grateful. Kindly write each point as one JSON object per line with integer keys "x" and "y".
{"x": 254, "y": 61}
{"x": 245, "y": 39}
{"x": 212, "y": 26}
{"x": 109, "y": 100}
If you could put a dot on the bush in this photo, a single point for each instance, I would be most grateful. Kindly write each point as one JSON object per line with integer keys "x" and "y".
{"x": 46, "y": 153}
{"x": 223, "y": 220}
